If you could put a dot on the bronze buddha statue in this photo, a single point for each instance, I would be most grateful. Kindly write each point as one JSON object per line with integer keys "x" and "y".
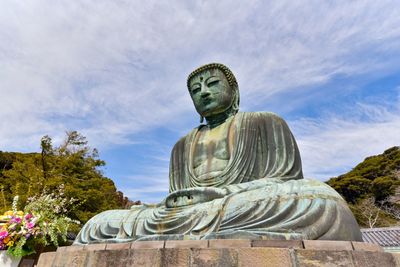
{"x": 237, "y": 176}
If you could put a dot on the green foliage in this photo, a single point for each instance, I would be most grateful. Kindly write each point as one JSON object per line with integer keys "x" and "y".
{"x": 380, "y": 165}
{"x": 73, "y": 164}
{"x": 384, "y": 186}
{"x": 351, "y": 188}
{"x": 377, "y": 178}
{"x": 43, "y": 222}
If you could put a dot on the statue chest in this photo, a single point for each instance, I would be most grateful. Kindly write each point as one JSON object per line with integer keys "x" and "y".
{"x": 211, "y": 150}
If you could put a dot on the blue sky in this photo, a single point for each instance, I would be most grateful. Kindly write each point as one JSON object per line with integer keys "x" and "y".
{"x": 116, "y": 72}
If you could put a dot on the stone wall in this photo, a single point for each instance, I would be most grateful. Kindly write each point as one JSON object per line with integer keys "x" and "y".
{"x": 251, "y": 253}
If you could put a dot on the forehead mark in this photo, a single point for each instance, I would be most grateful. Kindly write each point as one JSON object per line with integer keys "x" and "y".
{"x": 201, "y": 78}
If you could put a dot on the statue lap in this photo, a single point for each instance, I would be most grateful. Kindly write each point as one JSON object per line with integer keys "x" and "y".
{"x": 297, "y": 209}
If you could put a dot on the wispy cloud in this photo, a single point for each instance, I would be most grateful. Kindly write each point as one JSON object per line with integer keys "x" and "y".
{"x": 111, "y": 69}
{"x": 150, "y": 187}
{"x": 333, "y": 144}
{"x": 116, "y": 70}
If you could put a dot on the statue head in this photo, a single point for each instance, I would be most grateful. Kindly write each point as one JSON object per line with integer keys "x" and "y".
{"x": 214, "y": 90}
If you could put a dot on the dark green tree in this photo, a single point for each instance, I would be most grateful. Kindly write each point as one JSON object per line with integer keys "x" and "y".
{"x": 384, "y": 186}
{"x": 72, "y": 163}
{"x": 351, "y": 188}
{"x": 377, "y": 178}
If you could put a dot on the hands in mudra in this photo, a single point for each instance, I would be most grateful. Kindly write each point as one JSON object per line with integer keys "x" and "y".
{"x": 193, "y": 196}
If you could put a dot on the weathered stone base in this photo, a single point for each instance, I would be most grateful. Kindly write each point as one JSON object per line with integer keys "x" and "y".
{"x": 222, "y": 253}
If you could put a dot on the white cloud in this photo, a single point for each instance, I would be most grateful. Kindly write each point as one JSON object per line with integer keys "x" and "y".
{"x": 110, "y": 69}
{"x": 115, "y": 70}
{"x": 332, "y": 145}
{"x": 151, "y": 187}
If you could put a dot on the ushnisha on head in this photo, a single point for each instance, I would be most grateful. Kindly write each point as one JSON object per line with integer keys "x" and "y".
{"x": 214, "y": 91}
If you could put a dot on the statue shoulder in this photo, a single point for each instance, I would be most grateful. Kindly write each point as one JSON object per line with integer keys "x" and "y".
{"x": 182, "y": 141}
{"x": 268, "y": 119}
{"x": 262, "y": 115}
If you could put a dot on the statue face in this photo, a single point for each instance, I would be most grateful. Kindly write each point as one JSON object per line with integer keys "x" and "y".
{"x": 210, "y": 92}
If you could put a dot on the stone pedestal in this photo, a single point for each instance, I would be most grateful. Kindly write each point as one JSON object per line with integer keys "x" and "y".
{"x": 251, "y": 253}
{"x": 8, "y": 261}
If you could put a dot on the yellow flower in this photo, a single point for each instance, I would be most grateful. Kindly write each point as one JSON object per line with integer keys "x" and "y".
{"x": 10, "y": 244}
{"x": 5, "y": 240}
{"x": 9, "y": 213}
{"x": 20, "y": 213}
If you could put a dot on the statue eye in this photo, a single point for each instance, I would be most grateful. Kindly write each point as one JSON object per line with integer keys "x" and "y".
{"x": 213, "y": 83}
{"x": 195, "y": 90}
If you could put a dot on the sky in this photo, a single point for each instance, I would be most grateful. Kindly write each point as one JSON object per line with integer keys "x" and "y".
{"x": 116, "y": 72}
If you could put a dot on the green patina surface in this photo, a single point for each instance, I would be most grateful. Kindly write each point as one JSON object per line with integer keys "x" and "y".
{"x": 237, "y": 176}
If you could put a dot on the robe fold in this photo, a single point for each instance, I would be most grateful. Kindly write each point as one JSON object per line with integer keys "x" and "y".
{"x": 265, "y": 195}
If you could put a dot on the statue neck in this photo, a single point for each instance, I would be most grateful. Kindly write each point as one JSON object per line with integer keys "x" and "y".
{"x": 218, "y": 119}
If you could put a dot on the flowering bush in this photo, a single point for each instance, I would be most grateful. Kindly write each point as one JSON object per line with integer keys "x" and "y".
{"x": 41, "y": 223}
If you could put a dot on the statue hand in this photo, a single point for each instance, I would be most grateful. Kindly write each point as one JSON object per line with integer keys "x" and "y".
{"x": 145, "y": 206}
{"x": 193, "y": 195}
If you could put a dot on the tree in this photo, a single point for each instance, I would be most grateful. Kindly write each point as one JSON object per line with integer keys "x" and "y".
{"x": 72, "y": 163}
{"x": 393, "y": 211}
{"x": 351, "y": 188}
{"x": 376, "y": 178}
{"x": 384, "y": 186}
{"x": 370, "y": 211}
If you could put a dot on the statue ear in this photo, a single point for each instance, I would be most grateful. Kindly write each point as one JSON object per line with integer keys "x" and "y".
{"x": 235, "y": 101}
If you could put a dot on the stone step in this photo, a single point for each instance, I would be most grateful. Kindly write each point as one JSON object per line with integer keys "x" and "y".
{"x": 222, "y": 253}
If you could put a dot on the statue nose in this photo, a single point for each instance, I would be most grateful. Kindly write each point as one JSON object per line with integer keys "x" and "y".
{"x": 205, "y": 94}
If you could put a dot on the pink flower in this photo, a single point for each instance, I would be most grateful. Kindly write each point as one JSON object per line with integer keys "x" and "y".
{"x": 16, "y": 220}
{"x": 28, "y": 216}
{"x": 30, "y": 225}
{"x": 3, "y": 234}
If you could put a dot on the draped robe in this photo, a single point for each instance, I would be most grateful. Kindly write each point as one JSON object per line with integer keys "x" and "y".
{"x": 261, "y": 194}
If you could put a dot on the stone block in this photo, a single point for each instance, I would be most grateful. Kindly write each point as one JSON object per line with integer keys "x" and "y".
{"x": 94, "y": 247}
{"x": 268, "y": 257}
{"x": 118, "y": 246}
{"x": 178, "y": 255}
{"x": 327, "y": 245}
{"x": 186, "y": 244}
{"x": 317, "y": 258}
{"x": 175, "y": 257}
{"x": 108, "y": 258}
{"x": 373, "y": 259}
{"x": 363, "y": 246}
{"x": 145, "y": 257}
{"x": 278, "y": 243}
{"x": 147, "y": 244}
{"x": 46, "y": 259}
{"x": 203, "y": 257}
{"x": 27, "y": 263}
{"x": 73, "y": 248}
{"x": 229, "y": 243}
{"x": 396, "y": 256}
{"x": 70, "y": 259}
{"x": 61, "y": 249}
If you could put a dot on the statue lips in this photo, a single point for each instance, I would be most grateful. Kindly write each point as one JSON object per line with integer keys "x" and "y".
{"x": 213, "y": 101}
{"x": 207, "y": 101}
